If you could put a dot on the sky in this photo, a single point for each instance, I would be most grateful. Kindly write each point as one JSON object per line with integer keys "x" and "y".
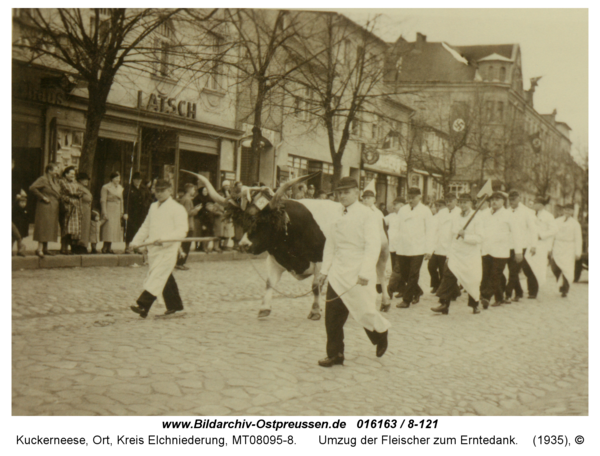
{"x": 554, "y": 45}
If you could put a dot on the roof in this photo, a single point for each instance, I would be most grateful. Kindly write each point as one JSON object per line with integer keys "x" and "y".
{"x": 476, "y": 53}
{"x": 494, "y": 58}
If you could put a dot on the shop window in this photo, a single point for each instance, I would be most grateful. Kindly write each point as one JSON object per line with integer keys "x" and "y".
{"x": 297, "y": 165}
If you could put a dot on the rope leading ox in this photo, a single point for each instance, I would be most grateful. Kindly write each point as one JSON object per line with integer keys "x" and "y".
{"x": 292, "y": 232}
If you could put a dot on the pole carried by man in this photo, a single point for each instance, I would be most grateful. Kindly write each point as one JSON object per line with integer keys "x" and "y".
{"x": 349, "y": 259}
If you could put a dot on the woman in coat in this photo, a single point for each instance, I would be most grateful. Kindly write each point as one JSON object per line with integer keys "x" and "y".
{"x": 204, "y": 219}
{"x": 70, "y": 200}
{"x": 47, "y": 191}
{"x": 83, "y": 181}
{"x": 111, "y": 202}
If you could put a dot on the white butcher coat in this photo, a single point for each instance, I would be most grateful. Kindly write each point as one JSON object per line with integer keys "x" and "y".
{"x": 464, "y": 257}
{"x": 443, "y": 230}
{"x": 501, "y": 233}
{"x": 392, "y": 221}
{"x": 167, "y": 221}
{"x": 351, "y": 251}
{"x": 568, "y": 245}
{"x": 527, "y": 225}
{"x": 415, "y": 231}
{"x": 546, "y": 229}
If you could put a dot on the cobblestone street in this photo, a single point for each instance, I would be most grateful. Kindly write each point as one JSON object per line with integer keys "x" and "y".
{"x": 77, "y": 349}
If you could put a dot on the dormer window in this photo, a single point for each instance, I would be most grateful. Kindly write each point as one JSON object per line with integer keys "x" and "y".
{"x": 502, "y": 74}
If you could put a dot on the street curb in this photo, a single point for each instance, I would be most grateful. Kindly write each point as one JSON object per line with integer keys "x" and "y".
{"x": 89, "y": 261}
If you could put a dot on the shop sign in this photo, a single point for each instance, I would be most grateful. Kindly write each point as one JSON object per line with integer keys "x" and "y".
{"x": 33, "y": 91}
{"x": 387, "y": 163}
{"x": 163, "y": 104}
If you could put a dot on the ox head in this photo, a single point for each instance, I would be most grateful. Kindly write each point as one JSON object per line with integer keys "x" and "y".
{"x": 257, "y": 210}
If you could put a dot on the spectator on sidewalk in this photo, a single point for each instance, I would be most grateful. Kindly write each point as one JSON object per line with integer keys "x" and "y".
{"x": 224, "y": 225}
{"x": 111, "y": 201}
{"x": 20, "y": 222}
{"x": 83, "y": 181}
{"x": 137, "y": 199}
{"x": 310, "y": 193}
{"x": 70, "y": 204}
{"x": 46, "y": 189}
{"x": 203, "y": 221}
{"x": 322, "y": 195}
{"x": 188, "y": 203}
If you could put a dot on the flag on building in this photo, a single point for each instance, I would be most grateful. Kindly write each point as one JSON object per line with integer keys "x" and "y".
{"x": 536, "y": 142}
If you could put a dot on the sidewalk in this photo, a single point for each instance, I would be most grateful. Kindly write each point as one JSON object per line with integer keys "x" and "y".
{"x": 32, "y": 261}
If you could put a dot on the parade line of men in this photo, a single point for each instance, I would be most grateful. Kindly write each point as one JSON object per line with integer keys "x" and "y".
{"x": 469, "y": 250}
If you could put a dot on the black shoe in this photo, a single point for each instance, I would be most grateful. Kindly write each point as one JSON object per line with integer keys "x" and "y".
{"x": 509, "y": 301}
{"x": 485, "y": 303}
{"x": 531, "y": 297}
{"x": 385, "y": 307}
{"x": 563, "y": 294}
{"x": 47, "y": 252}
{"x": 138, "y": 310}
{"x": 378, "y": 288}
{"x": 390, "y": 292}
{"x": 403, "y": 305}
{"x": 328, "y": 362}
{"x": 182, "y": 267}
{"x": 434, "y": 290}
{"x": 417, "y": 298}
{"x": 498, "y": 303}
{"x": 443, "y": 309}
{"x": 515, "y": 299}
{"x": 172, "y": 311}
{"x": 476, "y": 310}
{"x": 382, "y": 345}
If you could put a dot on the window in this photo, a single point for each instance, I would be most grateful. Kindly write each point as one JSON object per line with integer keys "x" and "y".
{"x": 490, "y": 73}
{"x": 489, "y": 110}
{"x": 500, "y": 112}
{"x": 297, "y": 165}
{"x": 355, "y": 127}
{"x": 216, "y": 71}
{"x": 162, "y": 49}
{"x": 328, "y": 169}
{"x": 502, "y": 74}
{"x": 373, "y": 131}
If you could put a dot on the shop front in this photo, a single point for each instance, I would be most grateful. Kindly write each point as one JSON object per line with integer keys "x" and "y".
{"x": 387, "y": 169}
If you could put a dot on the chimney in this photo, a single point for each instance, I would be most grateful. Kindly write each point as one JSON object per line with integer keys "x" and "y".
{"x": 420, "y": 40}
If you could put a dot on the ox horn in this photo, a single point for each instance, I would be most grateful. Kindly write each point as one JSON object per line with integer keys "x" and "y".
{"x": 211, "y": 190}
{"x": 284, "y": 188}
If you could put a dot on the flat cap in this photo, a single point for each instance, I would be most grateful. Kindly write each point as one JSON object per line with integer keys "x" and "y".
{"x": 346, "y": 183}
{"x": 367, "y": 193}
{"x": 413, "y": 191}
{"x": 162, "y": 184}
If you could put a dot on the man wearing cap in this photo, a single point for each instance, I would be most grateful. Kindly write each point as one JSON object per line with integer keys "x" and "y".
{"x": 392, "y": 222}
{"x": 526, "y": 224}
{"x": 166, "y": 220}
{"x": 501, "y": 234}
{"x": 442, "y": 222}
{"x": 464, "y": 258}
{"x": 415, "y": 243}
{"x": 451, "y": 204}
{"x": 546, "y": 230}
{"x": 349, "y": 258}
{"x": 368, "y": 199}
{"x": 137, "y": 201}
{"x": 567, "y": 248}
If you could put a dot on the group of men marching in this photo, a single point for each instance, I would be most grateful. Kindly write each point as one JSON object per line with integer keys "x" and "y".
{"x": 470, "y": 249}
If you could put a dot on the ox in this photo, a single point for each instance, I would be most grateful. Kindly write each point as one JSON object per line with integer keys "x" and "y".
{"x": 292, "y": 232}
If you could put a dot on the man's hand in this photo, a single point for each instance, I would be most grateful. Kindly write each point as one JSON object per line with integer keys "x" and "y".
{"x": 461, "y": 234}
{"x": 532, "y": 251}
{"x": 363, "y": 282}
{"x": 45, "y": 200}
{"x": 321, "y": 278}
{"x": 518, "y": 257}
{"x": 125, "y": 216}
{"x": 427, "y": 256}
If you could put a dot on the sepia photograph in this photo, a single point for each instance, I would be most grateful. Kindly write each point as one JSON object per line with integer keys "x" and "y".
{"x": 260, "y": 212}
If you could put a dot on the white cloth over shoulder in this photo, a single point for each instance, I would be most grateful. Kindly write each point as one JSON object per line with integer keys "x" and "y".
{"x": 568, "y": 244}
{"x": 464, "y": 258}
{"x": 352, "y": 251}
{"x": 168, "y": 220}
{"x": 546, "y": 229}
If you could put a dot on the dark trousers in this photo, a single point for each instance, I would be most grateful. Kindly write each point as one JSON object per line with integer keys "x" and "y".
{"x": 557, "y": 273}
{"x": 448, "y": 289}
{"x": 185, "y": 246}
{"x": 513, "y": 279}
{"x": 336, "y": 314}
{"x": 410, "y": 269}
{"x": 435, "y": 267}
{"x": 170, "y": 294}
{"x": 491, "y": 283}
{"x": 395, "y": 284}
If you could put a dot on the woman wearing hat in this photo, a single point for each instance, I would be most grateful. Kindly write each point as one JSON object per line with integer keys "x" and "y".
{"x": 70, "y": 198}
{"x": 83, "y": 182}
{"x": 111, "y": 202}
{"x": 137, "y": 200}
{"x": 47, "y": 191}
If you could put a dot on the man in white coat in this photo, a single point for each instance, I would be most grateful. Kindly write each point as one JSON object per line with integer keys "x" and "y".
{"x": 349, "y": 258}
{"x": 442, "y": 222}
{"x": 546, "y": 230}
{"x": 452, "y": 204}
{"x": 527, "y": 226}
{"x": 392, "y": 222}
{"x": 368, "y": 199}
{"x": 567, "y": 248}
{"x": 500, "y": 235}
{"x": 415, "y": 244}
{"x": 464, "y": 258}
{"x": 166, "y": 219}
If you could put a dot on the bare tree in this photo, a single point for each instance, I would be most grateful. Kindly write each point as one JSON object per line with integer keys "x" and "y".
{"x": 339, "y": 81}
{"x": 94, "y": 45}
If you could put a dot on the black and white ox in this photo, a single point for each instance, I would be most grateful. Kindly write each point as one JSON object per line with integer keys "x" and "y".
{"x": 291, "y": 231}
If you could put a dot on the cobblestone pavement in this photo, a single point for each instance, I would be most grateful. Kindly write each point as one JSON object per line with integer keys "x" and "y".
{"x": 77, "y": 349}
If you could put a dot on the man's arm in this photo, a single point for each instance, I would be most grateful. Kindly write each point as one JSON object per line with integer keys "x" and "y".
{"x": 372, "y": 249}
{"x": 429, "y": 233}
